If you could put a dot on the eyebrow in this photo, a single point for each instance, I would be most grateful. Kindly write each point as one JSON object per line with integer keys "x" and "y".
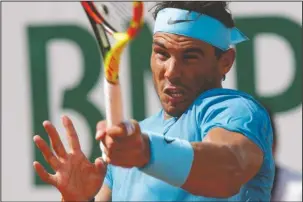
{"x": 189, "y": 50}
{"x": 159, "y": 44}
{"x": 194, "y": 50}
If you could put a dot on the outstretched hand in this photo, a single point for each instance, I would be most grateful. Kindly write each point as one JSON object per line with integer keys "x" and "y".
{"x": 75, "y": 176}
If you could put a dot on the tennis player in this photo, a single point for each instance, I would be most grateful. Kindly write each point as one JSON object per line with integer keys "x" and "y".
{"x": 206, "y": 144}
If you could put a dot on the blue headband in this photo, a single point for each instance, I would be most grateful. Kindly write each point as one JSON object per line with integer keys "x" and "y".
{"x": 198, "y": 26}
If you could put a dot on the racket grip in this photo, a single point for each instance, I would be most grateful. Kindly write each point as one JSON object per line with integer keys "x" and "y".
{"x": 113, "y": 107}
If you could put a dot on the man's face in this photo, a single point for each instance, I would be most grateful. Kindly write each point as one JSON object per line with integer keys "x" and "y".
{"x": 183, "y": 68}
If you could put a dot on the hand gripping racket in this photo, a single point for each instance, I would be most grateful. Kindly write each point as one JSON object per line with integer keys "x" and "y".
{"x": 110, "y": 18}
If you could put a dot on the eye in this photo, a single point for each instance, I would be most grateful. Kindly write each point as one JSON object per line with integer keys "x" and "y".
{"x": 162, "y": 55}
{"x": 191, "y": 57}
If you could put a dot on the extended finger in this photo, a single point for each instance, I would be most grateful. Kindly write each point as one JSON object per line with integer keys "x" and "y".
{"x": 45, "y": 176}
{"x": 50, "y": 158}
{"x": 55, "y": 139}
{"x": 72, "y": 136}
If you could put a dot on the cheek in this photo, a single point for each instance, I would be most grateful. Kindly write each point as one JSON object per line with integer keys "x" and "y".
{"x": 157, "y": 72}
{"x": 157, "y": 69}
{"x": 200, "y": 77}
{"x": 197, "y": 81}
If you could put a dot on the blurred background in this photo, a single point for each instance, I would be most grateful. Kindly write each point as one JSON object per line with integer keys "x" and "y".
{"x": 51, "y": 66}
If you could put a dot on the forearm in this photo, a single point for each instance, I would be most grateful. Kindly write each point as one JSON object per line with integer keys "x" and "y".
{"x": 215, "y": 171}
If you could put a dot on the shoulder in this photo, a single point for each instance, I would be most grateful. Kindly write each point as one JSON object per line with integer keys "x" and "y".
{"x": 230, "y": 103}
{"x": 234, "y": 111}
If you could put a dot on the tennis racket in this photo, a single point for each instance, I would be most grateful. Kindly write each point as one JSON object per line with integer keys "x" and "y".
{"x": 108, "y": 19}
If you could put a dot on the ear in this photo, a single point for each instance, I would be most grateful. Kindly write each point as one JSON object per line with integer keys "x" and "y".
{"x": 226, "y": 61}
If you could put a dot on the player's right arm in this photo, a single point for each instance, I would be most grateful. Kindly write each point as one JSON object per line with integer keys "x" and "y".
{"x": 236, "y": 144}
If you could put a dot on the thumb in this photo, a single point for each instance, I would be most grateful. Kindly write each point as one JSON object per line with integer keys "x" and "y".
{"x": 100, "y": 165}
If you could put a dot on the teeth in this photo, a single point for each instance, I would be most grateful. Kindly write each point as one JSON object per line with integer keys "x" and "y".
{"x": 174, "y": 91}
{"x": 176, "y": 94}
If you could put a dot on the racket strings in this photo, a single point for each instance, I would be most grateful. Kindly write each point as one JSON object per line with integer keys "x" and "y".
{"x": 93, "y": 12}
{"x": 115, "y": 14}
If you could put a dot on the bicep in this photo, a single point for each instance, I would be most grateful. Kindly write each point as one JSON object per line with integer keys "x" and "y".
{"x": 105, "y": 194}
{"x": 249, "y": 156}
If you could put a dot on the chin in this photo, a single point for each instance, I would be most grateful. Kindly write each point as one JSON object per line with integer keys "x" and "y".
{"x": 174, "y": 111}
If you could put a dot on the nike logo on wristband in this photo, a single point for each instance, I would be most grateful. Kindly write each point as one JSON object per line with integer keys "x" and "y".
{"x": 168, "y": 141}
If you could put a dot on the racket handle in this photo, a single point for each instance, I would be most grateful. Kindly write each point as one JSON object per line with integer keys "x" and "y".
{"x": 113, "y": 107}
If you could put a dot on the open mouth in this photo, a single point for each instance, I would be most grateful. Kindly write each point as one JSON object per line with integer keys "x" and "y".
{"x": 176, "y": 95}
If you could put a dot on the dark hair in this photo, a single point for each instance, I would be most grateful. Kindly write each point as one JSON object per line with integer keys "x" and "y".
{"x": 215, "y": 9}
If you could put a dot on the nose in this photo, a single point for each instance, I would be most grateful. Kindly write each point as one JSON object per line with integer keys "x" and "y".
{"x": 172, "y": 70}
